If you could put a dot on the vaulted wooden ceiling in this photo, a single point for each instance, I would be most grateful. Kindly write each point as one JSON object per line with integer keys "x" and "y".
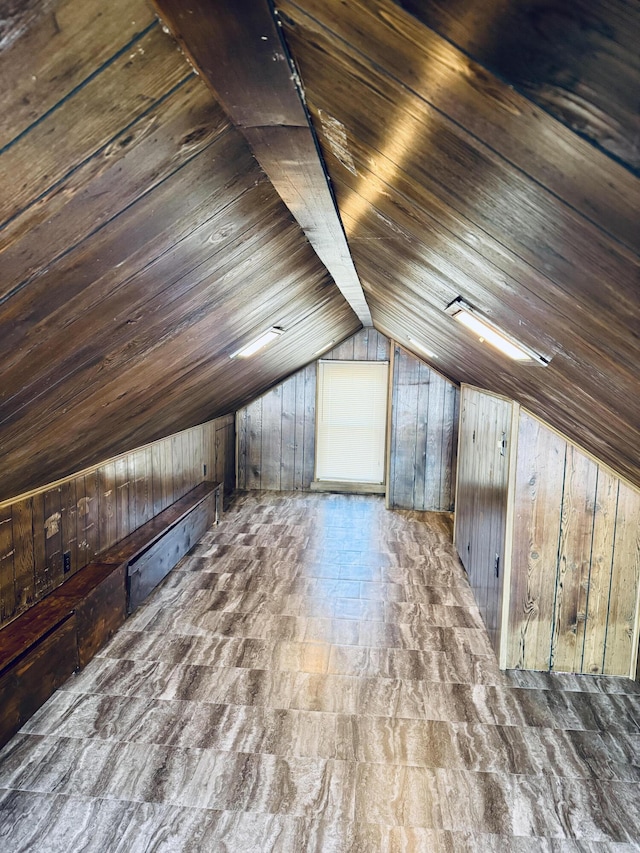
{"x": 488, "y": 150}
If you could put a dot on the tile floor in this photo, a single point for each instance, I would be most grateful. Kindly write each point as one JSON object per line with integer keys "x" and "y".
{"x": 315, "y": 677}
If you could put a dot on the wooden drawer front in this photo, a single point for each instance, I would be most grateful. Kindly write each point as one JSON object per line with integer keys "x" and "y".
{"x": 156, "y": 563}
{"x": 31, "y": 680}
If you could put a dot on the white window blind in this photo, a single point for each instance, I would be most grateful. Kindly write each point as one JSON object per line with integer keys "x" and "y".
{"x": 352, "y": 421}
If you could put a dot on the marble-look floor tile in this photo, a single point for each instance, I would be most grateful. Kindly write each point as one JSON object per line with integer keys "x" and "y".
{"x": 314, "y": 676}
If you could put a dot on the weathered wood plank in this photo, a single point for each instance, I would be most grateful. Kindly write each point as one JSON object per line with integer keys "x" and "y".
{"x": 270, "y": 469}
{"x": 92, "y": 517}
{"x": 541, "y": 50}
{"x": 7, "y": 572}
{"x": 69, "y": 527}
{"x": 114, "y": 98}
{"x": 123, "y": 526}
{"x": 521, "y": 131}
{"x": 107, "y": 505}
{"x": 53, "y": 537}
{"x": 23, "y": 541}
{"x": 288, "y": 433}
{"x": 625, "y": 578}
{"x": 574, "y": 561}
{"x": 604, "y": 525}
{"x": 54, "y": 51}
{"x": 538, "y": 500}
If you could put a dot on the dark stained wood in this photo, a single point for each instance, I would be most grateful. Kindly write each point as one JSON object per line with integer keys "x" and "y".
{"x": 487, "y": 106}
{"x": 578, "y": 61}
{"x": 23, "y": 541}
{"x": 99, "y": 508}
{"x": 7, "y": 571}
{"x": 238, "y": 50}
{"x": 146, "y": 571}
{"x": 31, "y": 680}
{"x": 604, "y": 527}
{"x": 432, "y": 148}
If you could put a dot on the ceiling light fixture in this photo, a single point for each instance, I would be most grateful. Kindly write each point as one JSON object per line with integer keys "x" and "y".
{"x": 325, "y": 348}
{"x": 258, "y": 343}
{"x": 491, "y": 334}
{"x": 417, "y": 345}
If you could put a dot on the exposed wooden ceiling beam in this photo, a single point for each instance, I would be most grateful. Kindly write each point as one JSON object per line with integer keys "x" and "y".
{"x": 237, "y": 48}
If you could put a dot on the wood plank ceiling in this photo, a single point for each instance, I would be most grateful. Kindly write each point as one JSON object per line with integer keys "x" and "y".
{"x": 140, "y": 244}
{"x": 480, "y": 149}
{"x": 490, "y": 150}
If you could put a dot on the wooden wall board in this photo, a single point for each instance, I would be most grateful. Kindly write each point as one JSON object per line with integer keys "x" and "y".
{"x": 621, "y": 641}
{"x": 86, "y": 515}
{"x": 538, "y": 502}
{"x": 604, "y": 526}
{"x": 482, "y": 500}
{"x": 575, "y": 565}
{"x": 574, "y": 561}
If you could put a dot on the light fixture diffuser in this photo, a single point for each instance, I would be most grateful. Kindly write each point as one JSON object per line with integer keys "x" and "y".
{"x": 491, "y": 334}
{"x": 258, "y": 343}
{"x": 421, "y": 347}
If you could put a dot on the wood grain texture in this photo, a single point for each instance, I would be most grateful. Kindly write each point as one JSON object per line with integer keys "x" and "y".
{"x": 87, "y": 515}
{"x": 423, "y": 436}
{"x": 575, "y": 570}
{"x": 481, "y": 500}
{"x": 538, "y": 506}
{"x": 433, "y": 150}
{"x": 237, "y": 48}
{"x": 578, "y": 62}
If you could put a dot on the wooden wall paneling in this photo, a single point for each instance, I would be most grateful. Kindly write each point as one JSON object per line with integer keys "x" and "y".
{"x": 604, "y": 525}
{"x": 53, "y": 537}
{"x": 230, "y": 461}
{"x": 299, "y": 429}
{"x": 177, "y": 466}
{"x": 123, "y": 527}
{"x": 254, "y": 474}
{"x": 7, "y": 570}
{"x": 404, "y": 427}
{"x": 621, "y": 643}
{"x": 241, "y": 432}
{"x": 449, "y": 446}
{"x": 69, "y": 526}
{"x": 431, "y": 401}
{"x": 157, "y": 476}
{"x": 574, "y": 561}
{"x": 538, "y": 499}
{"x": 464, "y": 492}
{"x": 23, "y": 541}
{"x": 288, "y": 438}
{"x": 39, "y": 557}
{"x": 271, "y": 439}
{"x": 309, "y": 418}
{"x": 107, "y": 504}
{"x": 92, "y": 517}
{"x": 425, "y": 442}
{"x": 343, "y": 352}
{"x": 361, "y": 345}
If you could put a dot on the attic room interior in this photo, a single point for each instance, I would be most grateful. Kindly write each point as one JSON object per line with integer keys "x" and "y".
{"x": 319, "y": 425}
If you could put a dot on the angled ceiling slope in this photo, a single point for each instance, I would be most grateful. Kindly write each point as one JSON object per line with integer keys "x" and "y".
{"x": 140, "y": 245}
{"x": 489, "y": 151}
{"x": 236, "y": 46}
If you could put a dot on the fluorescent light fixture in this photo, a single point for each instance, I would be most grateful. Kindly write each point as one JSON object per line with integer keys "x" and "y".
{"x": 487, "y": 332}
{"x": 325, "y": 348}
{"x": 258, "y": 343}
{"x": 422, "y": 348}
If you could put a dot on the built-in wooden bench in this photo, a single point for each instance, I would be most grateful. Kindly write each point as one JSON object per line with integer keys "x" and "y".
{"x": 60, "y": 634}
